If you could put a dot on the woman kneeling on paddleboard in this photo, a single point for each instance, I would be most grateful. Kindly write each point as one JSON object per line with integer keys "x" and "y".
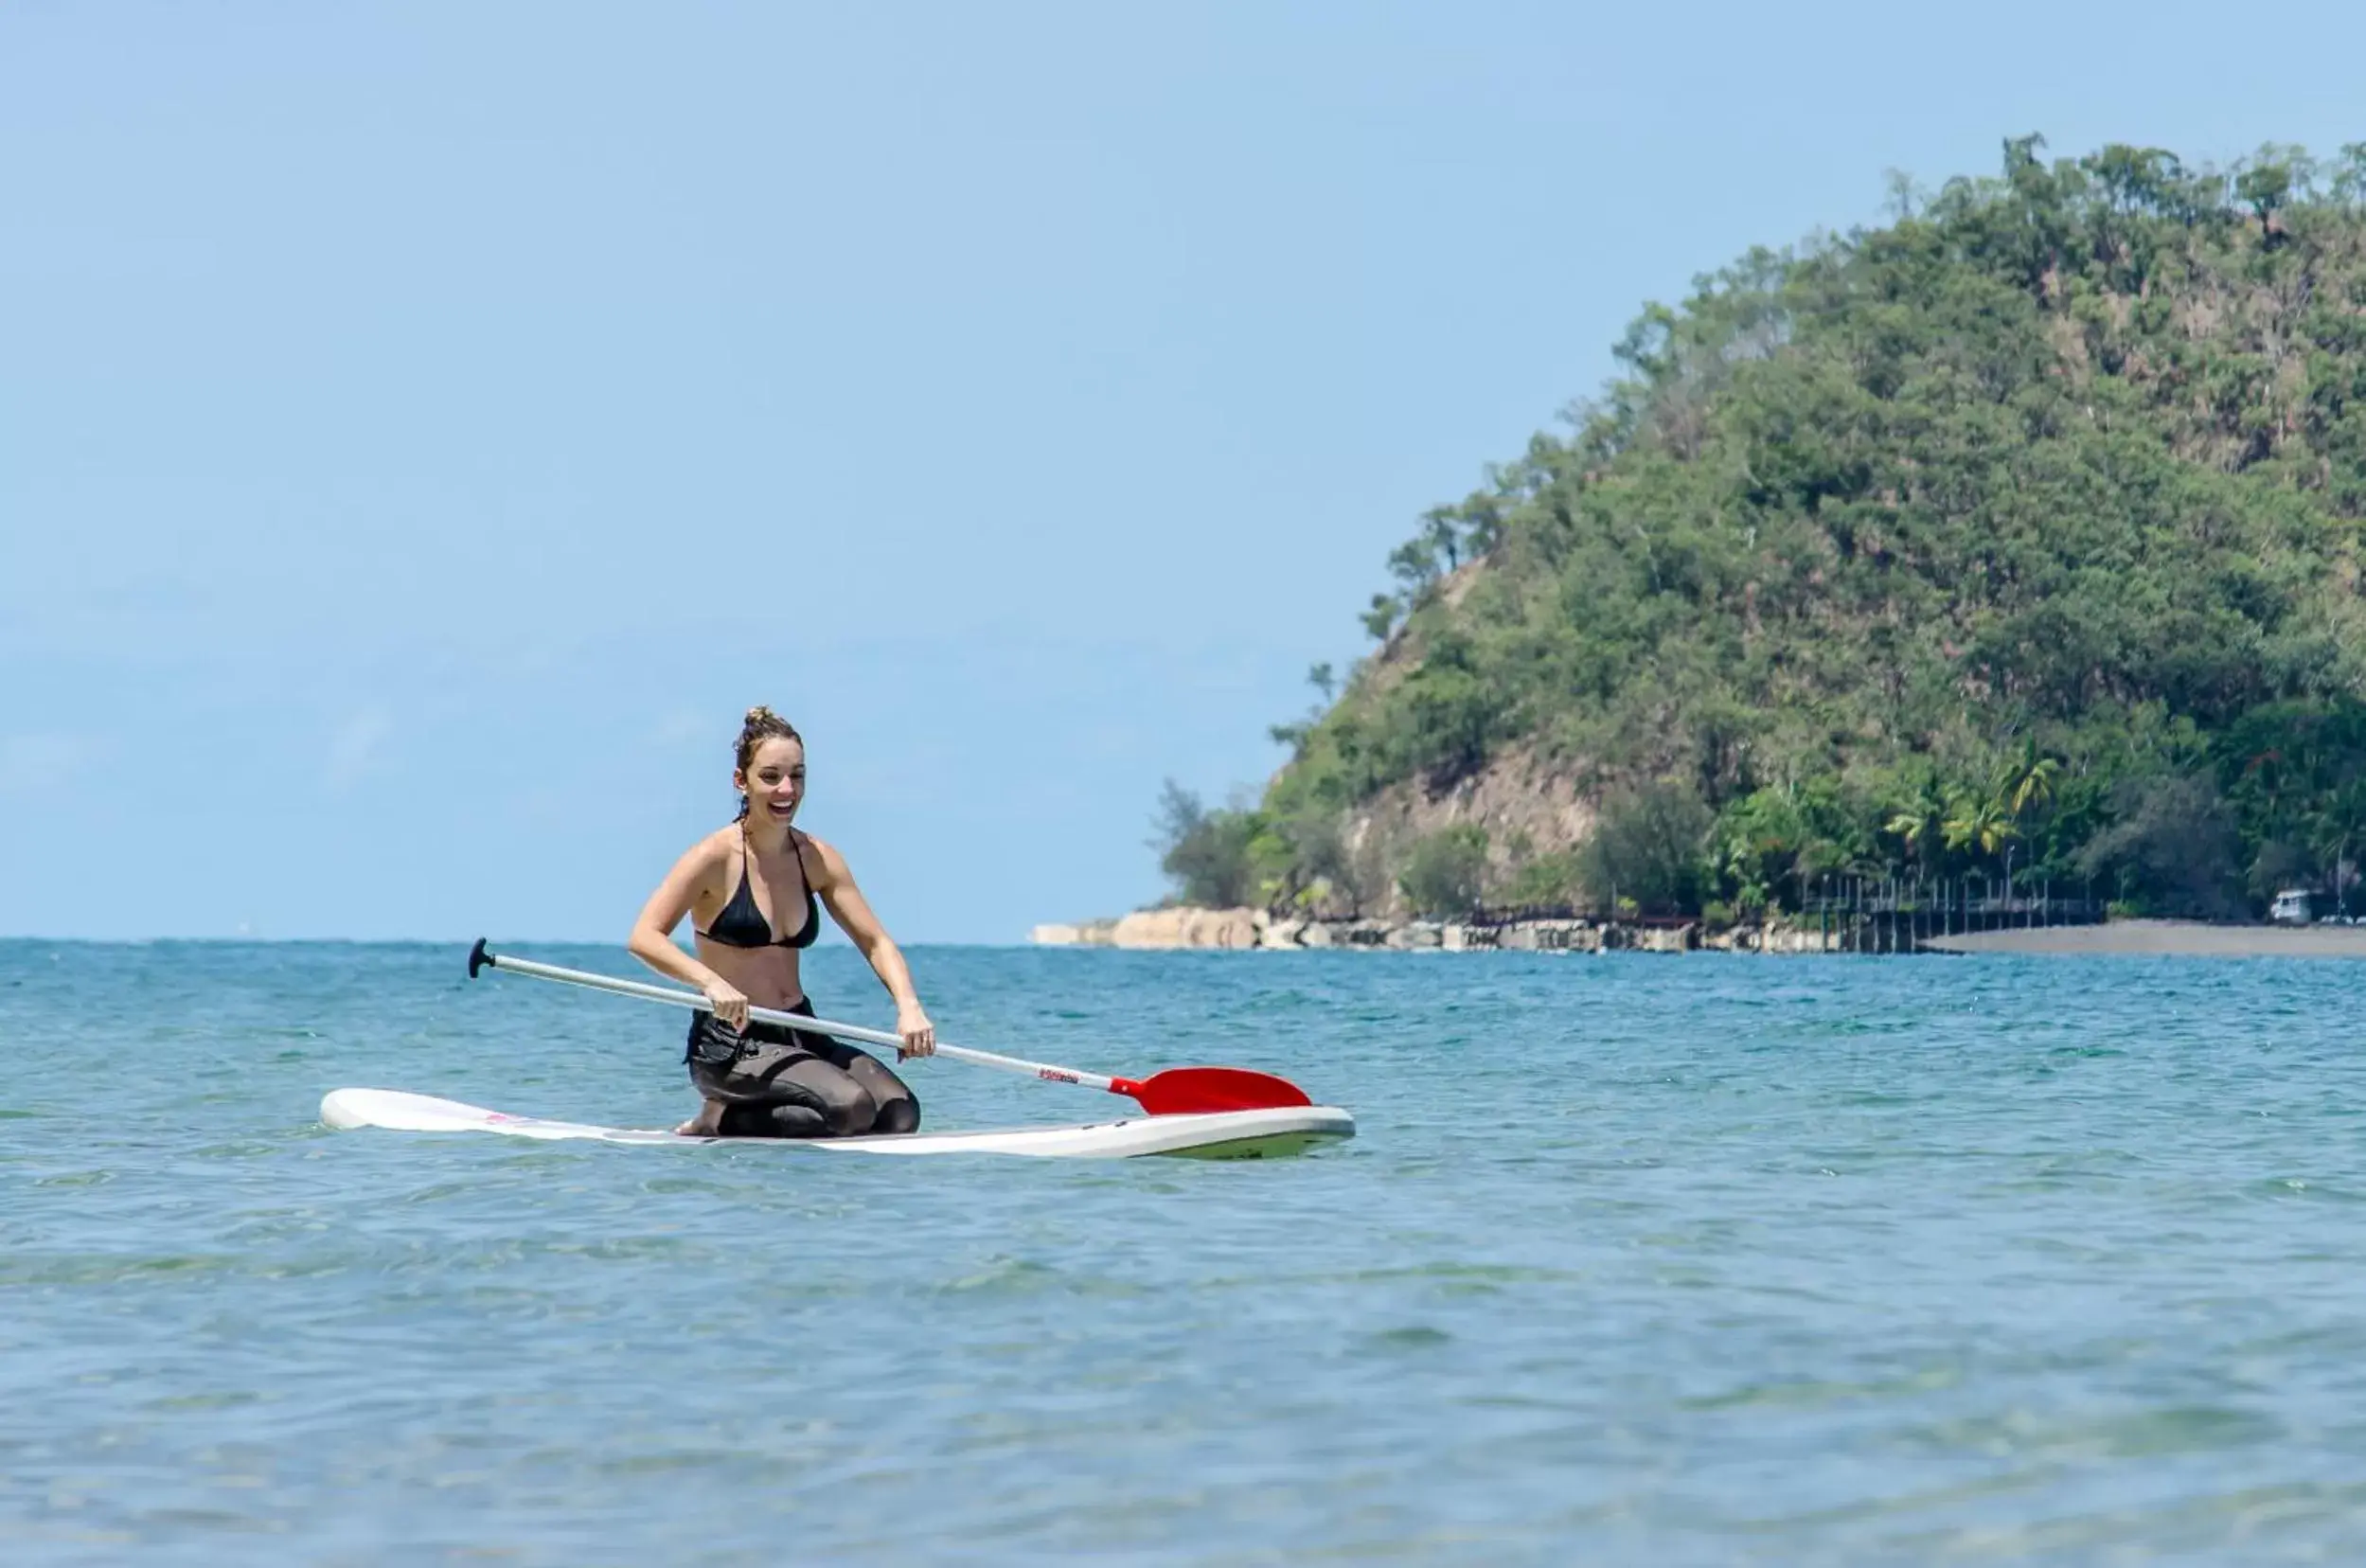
{"x": 763, "y": 1079}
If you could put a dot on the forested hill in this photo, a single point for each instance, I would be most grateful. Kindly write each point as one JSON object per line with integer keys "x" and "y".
{"x": 2020, "y": 536}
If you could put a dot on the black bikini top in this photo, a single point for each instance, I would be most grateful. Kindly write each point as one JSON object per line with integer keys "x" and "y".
{"x": 743, "y": 925}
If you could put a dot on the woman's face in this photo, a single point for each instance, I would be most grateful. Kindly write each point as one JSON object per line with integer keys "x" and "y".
{"x": 773, "y": 780}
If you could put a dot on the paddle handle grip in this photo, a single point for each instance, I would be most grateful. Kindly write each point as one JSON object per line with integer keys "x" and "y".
{"x": 479, "y": 957}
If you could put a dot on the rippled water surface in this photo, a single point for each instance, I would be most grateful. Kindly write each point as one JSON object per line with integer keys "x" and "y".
{"x": 1666, "y": 1260}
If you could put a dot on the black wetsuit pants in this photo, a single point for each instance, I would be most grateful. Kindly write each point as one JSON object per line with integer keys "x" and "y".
{"x": 777, "y": 1082}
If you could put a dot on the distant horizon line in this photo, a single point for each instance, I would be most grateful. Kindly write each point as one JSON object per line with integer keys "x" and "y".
{"x": 462, "y": 943}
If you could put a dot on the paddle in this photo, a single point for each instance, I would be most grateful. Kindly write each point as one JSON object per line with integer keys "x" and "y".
{"x": 1177, "y": 1092}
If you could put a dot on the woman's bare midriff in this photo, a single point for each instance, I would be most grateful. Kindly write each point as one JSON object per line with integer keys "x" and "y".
{"x": 766, "y": 976}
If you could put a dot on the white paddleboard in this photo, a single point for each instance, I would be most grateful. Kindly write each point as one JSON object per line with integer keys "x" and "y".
{"x": 1221, "y": 1135}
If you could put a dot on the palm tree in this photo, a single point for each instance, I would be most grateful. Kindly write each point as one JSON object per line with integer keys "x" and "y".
{"x": 1983, "y": 821}
{"x": 1919, "y": 822}
{"x": 2025, "y": 782}
{"x": 2028, "y": 780}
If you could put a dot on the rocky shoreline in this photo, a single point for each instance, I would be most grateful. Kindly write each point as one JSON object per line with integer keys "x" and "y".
{"x": 1241, "y": 928}
{"x": 1244, "y": 929}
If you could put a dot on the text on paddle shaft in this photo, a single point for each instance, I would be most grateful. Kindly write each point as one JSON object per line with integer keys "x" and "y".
{"x": 1056, "y": 1075}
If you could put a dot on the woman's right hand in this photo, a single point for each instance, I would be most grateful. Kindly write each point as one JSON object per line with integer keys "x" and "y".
{"x": 729, "y": 1002}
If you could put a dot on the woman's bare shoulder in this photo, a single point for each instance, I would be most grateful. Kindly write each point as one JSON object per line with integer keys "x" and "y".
{"x": 823, "y": 856}
{"x": 709, "y": 853}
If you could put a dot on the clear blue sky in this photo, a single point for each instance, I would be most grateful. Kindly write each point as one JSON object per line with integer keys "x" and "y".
{"x": 425, "y": 427}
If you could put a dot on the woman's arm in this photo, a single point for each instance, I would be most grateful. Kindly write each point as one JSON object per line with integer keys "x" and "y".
{"x": 652, "y": 940}
{"x": 853, "y": 914}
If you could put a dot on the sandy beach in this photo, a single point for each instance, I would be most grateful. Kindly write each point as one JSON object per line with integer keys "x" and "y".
{"x": 2171, "y": 938}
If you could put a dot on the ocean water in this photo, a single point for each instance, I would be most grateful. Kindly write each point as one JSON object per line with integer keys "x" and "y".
{"x": 1656, "y": 1260}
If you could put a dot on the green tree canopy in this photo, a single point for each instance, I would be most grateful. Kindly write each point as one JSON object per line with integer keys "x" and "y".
{"x": 2024, "y": 526}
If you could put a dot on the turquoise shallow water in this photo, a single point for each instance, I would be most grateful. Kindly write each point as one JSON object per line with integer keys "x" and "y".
{"x": 1655, "y": 1260}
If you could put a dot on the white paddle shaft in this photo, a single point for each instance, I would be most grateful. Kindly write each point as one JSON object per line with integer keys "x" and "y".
{"x": 795, "y": 1021}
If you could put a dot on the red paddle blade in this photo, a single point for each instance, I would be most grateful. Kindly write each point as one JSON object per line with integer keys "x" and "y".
{"x": 1187, "y": 1091}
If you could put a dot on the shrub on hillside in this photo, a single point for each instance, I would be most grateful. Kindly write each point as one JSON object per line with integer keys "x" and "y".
{"x": 1445, "y": 876}
{"x": 1207, "y": 854}
{"x": 1650, "y": 849}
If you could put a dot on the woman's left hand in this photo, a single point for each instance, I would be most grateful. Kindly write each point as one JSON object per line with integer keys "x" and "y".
{"x": 920, "y": 1035}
